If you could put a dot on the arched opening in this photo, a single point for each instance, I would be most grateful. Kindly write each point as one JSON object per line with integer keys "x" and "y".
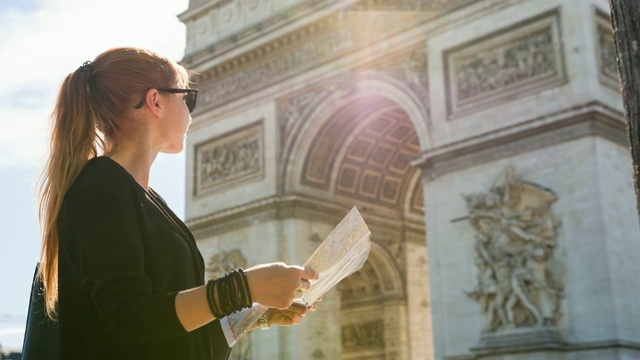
{"x": 360, "y": 154}
{"x": 365, "y": 298}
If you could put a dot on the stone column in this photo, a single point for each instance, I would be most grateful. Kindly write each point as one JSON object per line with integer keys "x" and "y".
{"x": 418, "y": 298}
{"x": 396, "y": 340}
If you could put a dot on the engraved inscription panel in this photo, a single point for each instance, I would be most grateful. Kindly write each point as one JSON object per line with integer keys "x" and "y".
{"x": 516, "y": 61}
{"x": 237, "y": 156}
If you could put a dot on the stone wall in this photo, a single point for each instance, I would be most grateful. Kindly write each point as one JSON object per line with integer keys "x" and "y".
{"x": 308, "y": 108}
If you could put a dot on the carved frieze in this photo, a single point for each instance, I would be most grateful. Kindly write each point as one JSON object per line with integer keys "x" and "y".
{"x": 518, "y": 60}
{"x": 606, "y": 52}
{"x": 520, "y": 283}
{"x": 272, "y": 62}
{"x": 229, "y": 159}
{"x": 365, "y": 335}
{"x": 307, "y": 47}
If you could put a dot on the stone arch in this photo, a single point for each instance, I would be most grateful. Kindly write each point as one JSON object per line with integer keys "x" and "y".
{"x": 368, "y": 297}
{"x": 353, "y": 145}
{"x": 327, "y": 102}
{"x": 379, "y": 278}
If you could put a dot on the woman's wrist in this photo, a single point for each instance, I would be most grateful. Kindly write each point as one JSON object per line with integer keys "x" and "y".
{"x": 228, "y": 294}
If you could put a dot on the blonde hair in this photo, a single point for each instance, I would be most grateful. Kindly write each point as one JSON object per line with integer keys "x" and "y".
{"x": 92, "y": 110}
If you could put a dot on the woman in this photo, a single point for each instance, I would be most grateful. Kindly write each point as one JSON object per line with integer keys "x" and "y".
{"x": 122, "y": 274}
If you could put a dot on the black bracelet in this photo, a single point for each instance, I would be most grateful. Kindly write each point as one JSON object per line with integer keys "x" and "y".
{"x": 211, "y": 298}
{"x": 246, "y": 293}
{"x": 228, "y": 294}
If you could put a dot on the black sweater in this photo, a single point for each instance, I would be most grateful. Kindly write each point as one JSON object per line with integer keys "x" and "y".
{"x": 123, "y": 257}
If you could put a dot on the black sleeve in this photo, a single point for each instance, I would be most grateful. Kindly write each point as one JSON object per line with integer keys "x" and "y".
{"x": 221, "y": 349}
{"x": 104, "y": 238}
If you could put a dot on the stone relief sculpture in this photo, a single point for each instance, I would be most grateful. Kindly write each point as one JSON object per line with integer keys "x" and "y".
{"x": 363, "y": 335}
{"x": 519, "y": 281}
{"x": 527, "y": 58}
{"x": 516, "y": 60}
{"x": 230, "y": 158}
{"x": 225, "y": 161}
{"x": 225, "y": 261}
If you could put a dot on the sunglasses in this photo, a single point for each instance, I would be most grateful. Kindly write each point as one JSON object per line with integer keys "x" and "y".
{"x": 190, "y": 96}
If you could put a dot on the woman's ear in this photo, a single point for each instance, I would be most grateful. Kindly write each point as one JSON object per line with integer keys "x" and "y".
{"x": 153, "y": 102}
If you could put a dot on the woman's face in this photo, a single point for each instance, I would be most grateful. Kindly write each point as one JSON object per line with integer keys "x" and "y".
{"x": 175, "y": 122}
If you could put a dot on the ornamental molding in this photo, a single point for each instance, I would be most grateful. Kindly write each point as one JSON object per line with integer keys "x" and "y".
{"x": 313, "y": 45}
{"x": 282, "y": 58}
{"x": 298, "y": 207}
{"x": 201, "y": 16}
{"x": 405, "y": 73}
{"x": 520, "y": 283}
{"x": 407, "y": 68}
{"x": 591, "y": 119}
{"x": 203, "y": 19}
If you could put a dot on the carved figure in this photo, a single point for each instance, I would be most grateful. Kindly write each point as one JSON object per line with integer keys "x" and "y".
{"x": 519, "y": 281}
{"x": 225, "y": 261}
{"x": 508, "y": 64}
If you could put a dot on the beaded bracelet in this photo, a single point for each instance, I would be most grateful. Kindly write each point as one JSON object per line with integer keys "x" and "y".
{"x": 228, "y": 294}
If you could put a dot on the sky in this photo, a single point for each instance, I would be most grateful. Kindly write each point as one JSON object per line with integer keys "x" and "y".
{"x": 41, "y": 41}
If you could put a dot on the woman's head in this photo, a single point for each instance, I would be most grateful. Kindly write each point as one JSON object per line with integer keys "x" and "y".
{"x": 96, "y": 104}
{"x": 111, "y": 86}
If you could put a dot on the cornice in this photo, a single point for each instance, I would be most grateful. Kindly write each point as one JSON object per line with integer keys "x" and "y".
{"x": 289, "y": 55}
{"x": 302, "y": 10}
{"x": 590, "y": 119}
{"x": 260, "y": 30}
{"x": 293, "y": 207}
{"x": 192, "y": 12}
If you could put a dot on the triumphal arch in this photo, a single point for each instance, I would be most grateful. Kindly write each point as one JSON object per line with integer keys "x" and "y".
{"x": 483, "y": 142}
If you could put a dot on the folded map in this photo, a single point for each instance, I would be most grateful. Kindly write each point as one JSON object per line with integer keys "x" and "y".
{"x": 342, "y": 253}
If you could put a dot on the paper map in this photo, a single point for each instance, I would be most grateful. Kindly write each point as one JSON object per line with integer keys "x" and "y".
{"x": 342, "y": 253}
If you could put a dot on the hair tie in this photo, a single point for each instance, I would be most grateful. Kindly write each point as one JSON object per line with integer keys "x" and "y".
{"x": 86, "y": 66}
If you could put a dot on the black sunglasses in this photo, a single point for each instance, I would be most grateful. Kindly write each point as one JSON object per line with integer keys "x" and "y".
{"x": 190, "y": 96}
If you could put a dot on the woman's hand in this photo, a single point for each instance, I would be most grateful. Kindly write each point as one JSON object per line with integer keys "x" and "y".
{"x": 275, "y": 285}
{"x": 286, "y": 317}
{"x": 292, "y": 315}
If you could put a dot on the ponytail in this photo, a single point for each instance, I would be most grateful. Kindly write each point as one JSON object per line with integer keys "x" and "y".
{"x": 91, "y": 110}
{"x": 73, "y": 143}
